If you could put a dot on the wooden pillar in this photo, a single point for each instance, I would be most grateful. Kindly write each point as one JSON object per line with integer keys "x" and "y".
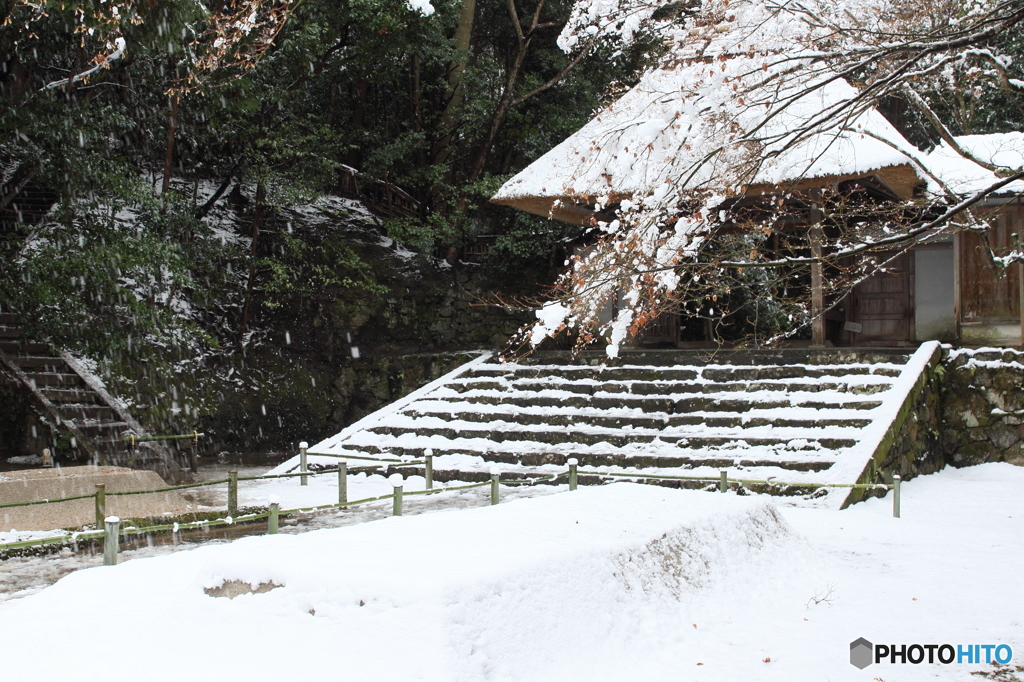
{"x": 1021, "y": 295}
{"x": 957, "y": 284}
{"x": 817, "y": 283}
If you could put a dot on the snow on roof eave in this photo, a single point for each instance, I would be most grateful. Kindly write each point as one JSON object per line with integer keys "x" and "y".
{"x": 566, "y": 211}
{"x": 902, "y": 180}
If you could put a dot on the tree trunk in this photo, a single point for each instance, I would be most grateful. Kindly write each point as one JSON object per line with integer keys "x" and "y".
{"x": 358, "y": 119}
{"x": 172, "y": 123}
{"x": 508, "y": 98}
{"x": 417, "y": 110}
{"x": 257, "y": 223}
{"x": 205, "y": 208}
{"x": 452, "y": 114}
{"x": 333, "y": 102}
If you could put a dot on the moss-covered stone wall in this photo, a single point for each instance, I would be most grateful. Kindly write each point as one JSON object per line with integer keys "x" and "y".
{"x": 982, "y": 414}
{"x": 916, "y": 448}
{"x": 968, "y": 410}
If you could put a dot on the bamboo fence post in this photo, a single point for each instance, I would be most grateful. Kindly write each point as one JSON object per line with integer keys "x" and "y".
{"x": 275, "y": 509}
{"x": 110, "y": 540}
{"x": 232, "y": 493}
{"x": 101, "y": 504}
{"x": 495, "y": 476}
{"x": 302, "y": 461}
{"x": 342, "y": 482}
{"x": 397, "y": 482}
{"x": 193, "y": 455}
{"x": 723, "y": 482}
{"x": 896, "y": 481}
{"x": 131, "y": 450}
{"x": 573, "y": 478}
{"x": 428, "y": 467}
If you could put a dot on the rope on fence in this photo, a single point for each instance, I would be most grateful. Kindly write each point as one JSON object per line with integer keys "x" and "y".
{"x": 86, "y": 535}
{"x": 371, "y": 459}
{"x": 184, "y": 486}
{"x": 167, "y": 489}
{"x": 62, "y": 499}
{"x": 745, "y": 481}
{"x": 132, "y": 438}
{"x": 91, "y": 534}
{"x": 527, "y": 481}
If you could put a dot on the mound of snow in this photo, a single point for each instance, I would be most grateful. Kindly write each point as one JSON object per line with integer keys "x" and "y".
{"x": 517, "y": 590}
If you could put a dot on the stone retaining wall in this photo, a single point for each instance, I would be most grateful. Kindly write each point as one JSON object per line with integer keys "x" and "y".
{"x": 982, "y": 417}
{"x": 970, "y": 410}
{"x": 916, "y": 449}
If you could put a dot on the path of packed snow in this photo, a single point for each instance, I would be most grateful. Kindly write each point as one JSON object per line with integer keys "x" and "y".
{"x": 617, "y": 582}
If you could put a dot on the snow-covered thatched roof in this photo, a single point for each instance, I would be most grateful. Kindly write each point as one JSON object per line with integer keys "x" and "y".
{"x": 963, "y": 176}
{"x": 664, "y": 132}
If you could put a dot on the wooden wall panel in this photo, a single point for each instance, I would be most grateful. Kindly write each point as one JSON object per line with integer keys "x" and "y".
{"x": 988, "y": 293}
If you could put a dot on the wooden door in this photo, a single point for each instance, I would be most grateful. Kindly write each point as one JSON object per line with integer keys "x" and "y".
{"x": 663, "y": 330}
{"x": 883, "y": 304}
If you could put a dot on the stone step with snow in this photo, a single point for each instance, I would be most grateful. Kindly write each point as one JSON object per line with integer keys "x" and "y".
{"x": 499, "y": 432}
{"x": 535, "y": 458}
{"x": 630, "y": 373}
{"x": 793, "y": 415}
{"x": 75, "y": 400}
{"x": 593, "y": 386}
{"x": 72, "y": 396}
{"x": 661, "y": 403}
{"x": 55, "y": 379}
{"x": 560, "y": 417}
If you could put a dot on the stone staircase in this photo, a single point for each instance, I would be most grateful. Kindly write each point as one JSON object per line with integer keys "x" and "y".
{"x": 787, "y": 415}
{"x": 75, "y": 401}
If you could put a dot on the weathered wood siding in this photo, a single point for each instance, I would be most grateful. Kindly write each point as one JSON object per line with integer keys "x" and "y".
{"x": 990, "y": 293}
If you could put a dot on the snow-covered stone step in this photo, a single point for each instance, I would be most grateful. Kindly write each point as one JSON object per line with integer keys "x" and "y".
{"x": 482, "y": 441}
{"x": 55, "y": 379}
{"x": 652, "y": 403}
{"x": 14, "y": 346}
{"x": 702, "y": 358}
{"x": 669, "y": 458}
{"x": 98, "y": 428}
{"x": 552, "y": 417}
{"x": 706, "y": 373}
{"x": 553, "y": 436}
{"x": 693, "y": 425}
{"x": 42, "y": 363}
{"x": 874, "y": 384}
{"x": 70, "y": 395}
{"x": 461, "y": 464}
{"x": 92, "y": 413}
{"x": 555, "y": 372}
{"x": 819, "y": 415}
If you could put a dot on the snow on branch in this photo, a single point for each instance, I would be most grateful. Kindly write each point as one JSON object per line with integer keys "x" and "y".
{"x": 103, "y": 62}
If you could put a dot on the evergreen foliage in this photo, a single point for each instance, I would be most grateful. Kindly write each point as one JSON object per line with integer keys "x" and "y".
{"x": 100, "y": 100}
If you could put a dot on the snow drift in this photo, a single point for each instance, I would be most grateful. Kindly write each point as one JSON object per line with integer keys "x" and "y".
{"x": 521, "y": 590}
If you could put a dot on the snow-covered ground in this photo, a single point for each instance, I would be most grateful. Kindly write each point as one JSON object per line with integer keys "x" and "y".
{"x": 618, "y": 582}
